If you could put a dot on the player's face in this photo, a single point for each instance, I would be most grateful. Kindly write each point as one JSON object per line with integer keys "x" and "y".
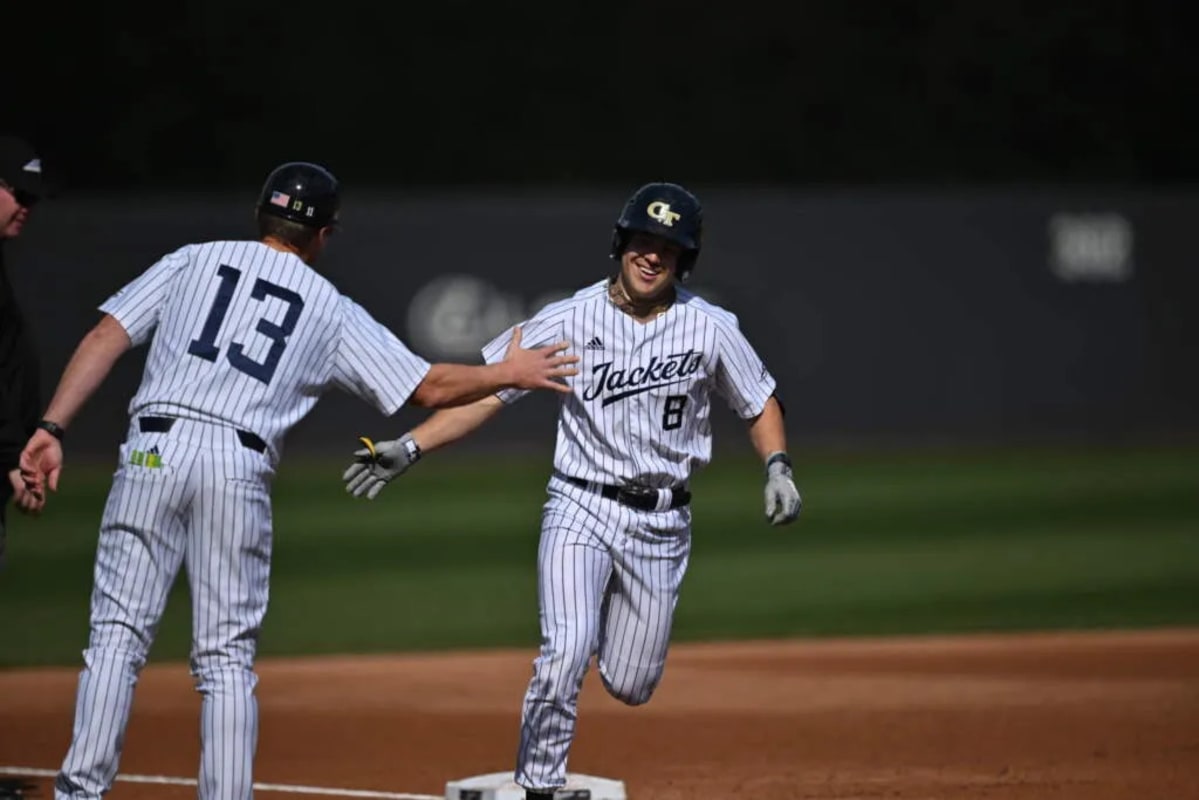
{"x": 648, "y": 265}
{"x": 13, "y": 212}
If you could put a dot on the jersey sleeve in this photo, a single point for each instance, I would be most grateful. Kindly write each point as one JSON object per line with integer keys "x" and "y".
{"x": 741, "y": 376}
{"x": 533, "y": 333}
{"x": 138, "y": 305}
{"x": 371, "y": 363}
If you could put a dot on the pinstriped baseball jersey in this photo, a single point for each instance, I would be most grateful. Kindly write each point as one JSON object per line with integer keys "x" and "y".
{"x": 249, "y": 336}
{"x": 609, "y": 574}
{"x": 244, "y": 340}
{"x": 640, "y": 410}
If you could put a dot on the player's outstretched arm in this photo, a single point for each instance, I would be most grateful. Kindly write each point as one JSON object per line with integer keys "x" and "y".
{"x": 452, "y": 424}
{"x": 448, "y": 385}
{"x": 769, "y": 437}
{"x": 381, "y": 462}
{"x": 41, "y": 460}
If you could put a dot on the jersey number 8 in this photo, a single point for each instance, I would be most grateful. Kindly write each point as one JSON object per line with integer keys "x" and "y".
{"x": 205, "y": 347}
{"x": 672, "y": 411}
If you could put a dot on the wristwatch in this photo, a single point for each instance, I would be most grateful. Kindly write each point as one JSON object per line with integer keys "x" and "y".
{"x": 53, "y": 428}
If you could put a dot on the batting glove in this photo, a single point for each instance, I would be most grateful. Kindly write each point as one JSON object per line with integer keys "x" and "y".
{"x": 783, "y": 502}
{"x": 378, "y": 463}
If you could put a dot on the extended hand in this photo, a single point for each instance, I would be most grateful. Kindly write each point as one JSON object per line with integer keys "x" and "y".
{"x": 377, "y": 463}
{"x": 540, "y": 367}
{"x": 783, "y": 502}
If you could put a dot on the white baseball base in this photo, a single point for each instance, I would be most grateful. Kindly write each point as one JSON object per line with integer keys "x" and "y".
{"x": 500, "y": 786}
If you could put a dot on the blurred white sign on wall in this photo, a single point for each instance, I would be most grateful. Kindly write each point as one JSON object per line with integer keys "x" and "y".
{"x": 453, "y": 316}
{"x": 1091, "y": 247}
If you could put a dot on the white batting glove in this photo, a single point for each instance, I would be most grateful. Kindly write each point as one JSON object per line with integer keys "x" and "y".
{"x": 378, "y": 463}
{"x": 783, "y": 502}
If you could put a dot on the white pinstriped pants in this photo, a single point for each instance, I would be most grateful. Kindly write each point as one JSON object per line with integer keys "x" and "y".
{"x": 608, "y": 582}
{"x": 206, "y": 507}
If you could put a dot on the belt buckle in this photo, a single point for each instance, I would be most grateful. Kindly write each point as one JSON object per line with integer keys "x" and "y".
{"x": 643, "y": 497}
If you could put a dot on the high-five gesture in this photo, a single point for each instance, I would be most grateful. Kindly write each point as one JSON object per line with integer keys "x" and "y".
{"x": 540, "y": 367}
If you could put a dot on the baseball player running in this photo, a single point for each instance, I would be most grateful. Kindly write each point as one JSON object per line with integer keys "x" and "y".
{"x": 245, "y": 337}
{"x": 616, "y": 529}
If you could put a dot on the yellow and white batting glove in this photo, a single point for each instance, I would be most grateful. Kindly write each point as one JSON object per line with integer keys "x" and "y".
{"x": 377, "y": 463}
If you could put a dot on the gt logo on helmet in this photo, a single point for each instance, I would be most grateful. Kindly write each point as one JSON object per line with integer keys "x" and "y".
{"x": 661, "y": 212}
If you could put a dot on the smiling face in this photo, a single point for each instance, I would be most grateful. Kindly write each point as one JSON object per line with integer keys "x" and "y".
{"x": 648, "y": 266}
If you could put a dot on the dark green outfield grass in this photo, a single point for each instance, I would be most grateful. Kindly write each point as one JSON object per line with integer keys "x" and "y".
{"x": 887, "y": 544}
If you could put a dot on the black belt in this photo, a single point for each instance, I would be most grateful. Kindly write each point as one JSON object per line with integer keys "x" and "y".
{"x": 641, "y": 498}
{"x": 164, "y": 424}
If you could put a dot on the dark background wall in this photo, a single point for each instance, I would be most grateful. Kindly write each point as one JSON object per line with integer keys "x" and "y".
{"x": 886, "y": 316}
{"x": 938, "y": 220}
{"x": 216, "y": 91}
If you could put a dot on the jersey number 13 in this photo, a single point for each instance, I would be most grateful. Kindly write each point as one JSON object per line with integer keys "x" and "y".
{"x": 205, "y": 347}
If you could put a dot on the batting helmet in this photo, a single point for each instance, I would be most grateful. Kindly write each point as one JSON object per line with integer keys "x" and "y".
{"x": 667, "y": 210}
{"x": 301, "y": 192}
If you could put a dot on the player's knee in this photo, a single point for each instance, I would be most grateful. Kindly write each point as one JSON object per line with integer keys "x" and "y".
{"x": 632, "y": 687}
{"x": 120, "y": 640}
{"x": 212, "y": 654}
{"x": 212, "y": 670}
{"x": 131, "y": 658}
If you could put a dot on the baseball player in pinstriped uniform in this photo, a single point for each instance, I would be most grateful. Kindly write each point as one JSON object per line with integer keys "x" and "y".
{"x": 245, "y": 337}
{"x": 615, "y": 533}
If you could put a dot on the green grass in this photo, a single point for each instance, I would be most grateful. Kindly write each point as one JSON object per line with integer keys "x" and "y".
{"x": 887, "y": 544}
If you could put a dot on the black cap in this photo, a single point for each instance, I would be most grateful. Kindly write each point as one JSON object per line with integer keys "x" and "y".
{"x": 21, "y": 168}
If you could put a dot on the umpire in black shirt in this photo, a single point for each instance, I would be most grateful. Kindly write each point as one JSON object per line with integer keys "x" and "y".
{"x": 21, "y": 187}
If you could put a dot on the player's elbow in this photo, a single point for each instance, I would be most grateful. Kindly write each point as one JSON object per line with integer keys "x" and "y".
{"x": 454, "y": 385}
{"x": 435, "y": 391}
{"x": 428, "y": 395}
{"x": 108, "y": 336}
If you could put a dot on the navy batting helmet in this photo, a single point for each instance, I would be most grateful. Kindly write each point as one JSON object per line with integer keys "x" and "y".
{"x": 667, "y": 210}
{"x": 301, "y": 192}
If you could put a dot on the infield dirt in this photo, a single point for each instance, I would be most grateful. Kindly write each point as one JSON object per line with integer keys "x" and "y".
{"x": 1099, "y": 716}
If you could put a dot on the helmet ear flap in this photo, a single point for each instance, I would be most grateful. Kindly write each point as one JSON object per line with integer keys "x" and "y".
{"x": 620, "y": 241}
{"x": 687, "y": 263}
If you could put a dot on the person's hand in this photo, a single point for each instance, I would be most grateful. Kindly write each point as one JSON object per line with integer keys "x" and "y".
{"x": 26, "y": 501}
{"x": 41, "y": 463}
{"x": 378, "y": 463}
{"x": 539, "y": 367}
{"x": 783, "y": 502}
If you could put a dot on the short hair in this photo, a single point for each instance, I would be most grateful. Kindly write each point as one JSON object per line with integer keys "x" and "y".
{"x": 293, "y": 233}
